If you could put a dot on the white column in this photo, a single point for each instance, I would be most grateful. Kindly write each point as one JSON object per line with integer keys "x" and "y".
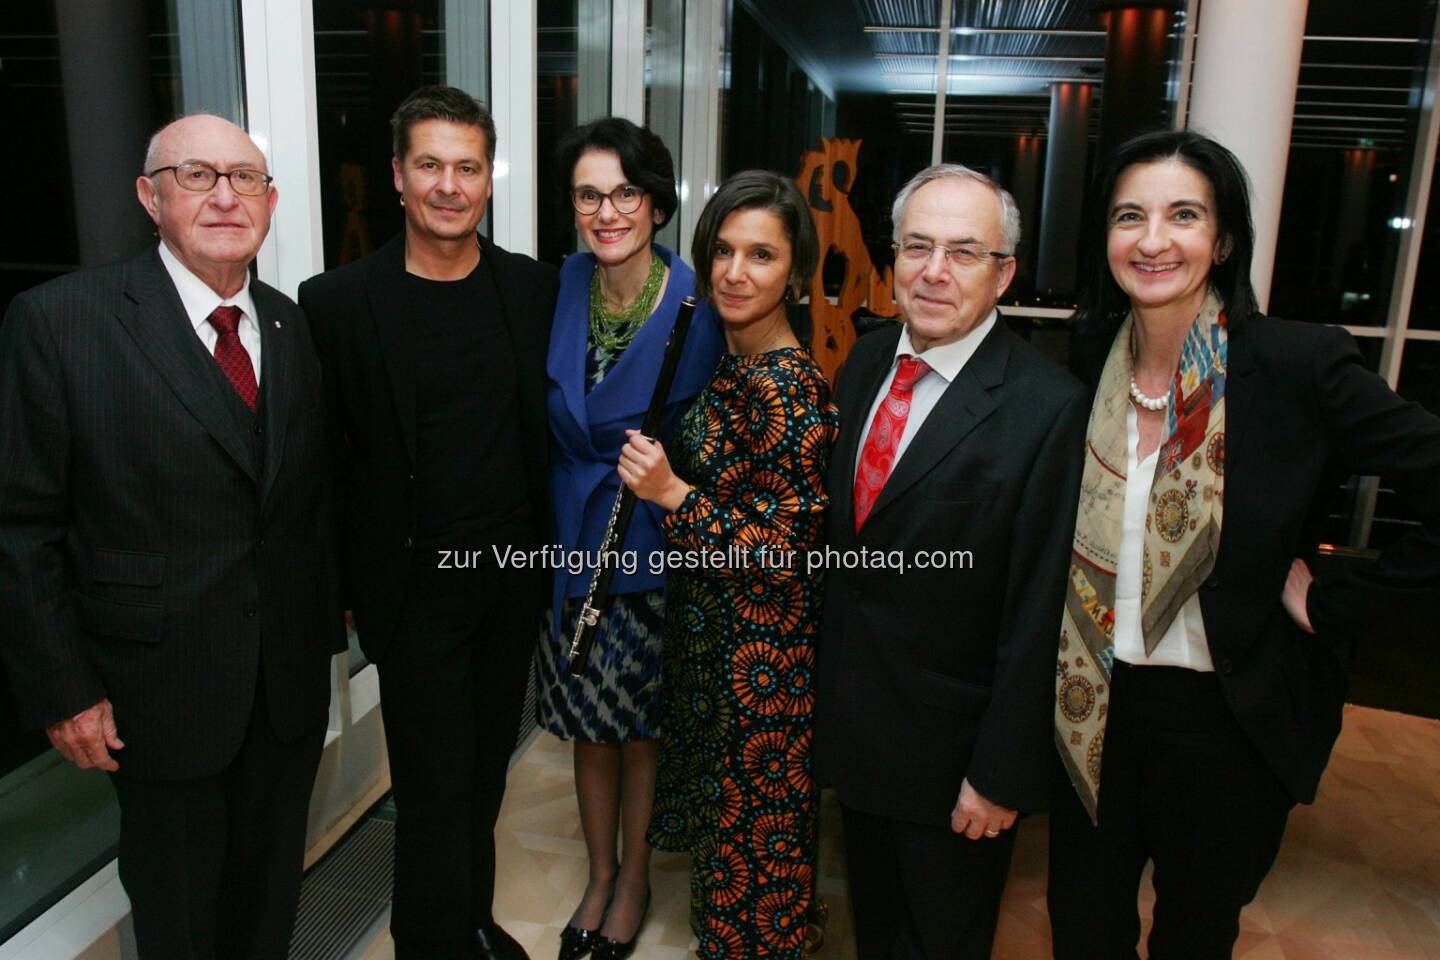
{"x": 942, "y": 84}
{"x": 700, "y": 121}
{"x": 512, "y": 58}
{"x": 593, "y": 55}
{"x": 209, "y": 57}
{"x": 1247, "y": 65}
{"x": 627, "y": 69}
{"x": 667, "y": 67}
{"x": 280, "y": 113}
{"x": 467, "y": 48}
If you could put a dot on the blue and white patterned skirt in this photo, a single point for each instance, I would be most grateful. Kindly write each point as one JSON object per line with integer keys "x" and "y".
{"x": 617, "y": 699}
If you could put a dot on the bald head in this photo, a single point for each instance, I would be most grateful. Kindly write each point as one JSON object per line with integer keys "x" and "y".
{"x": 168, "y": 144}
{"x": 214, "y": 231}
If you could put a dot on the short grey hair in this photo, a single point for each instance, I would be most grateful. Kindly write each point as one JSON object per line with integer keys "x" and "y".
{"x": 1009, "y": 212}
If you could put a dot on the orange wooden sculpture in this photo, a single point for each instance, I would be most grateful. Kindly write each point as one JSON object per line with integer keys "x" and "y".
{"x": 825, "y": 178}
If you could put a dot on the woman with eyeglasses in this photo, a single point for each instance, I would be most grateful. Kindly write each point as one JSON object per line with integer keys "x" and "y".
{"x": 745, "y": 501}
{"x": 618, "y": 301}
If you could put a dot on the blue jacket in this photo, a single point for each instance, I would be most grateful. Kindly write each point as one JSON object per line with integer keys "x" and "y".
{"x": 587, "y": 431}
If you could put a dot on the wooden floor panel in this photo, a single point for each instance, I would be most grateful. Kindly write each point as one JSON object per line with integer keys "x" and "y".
{"x": 1358, "y": 877}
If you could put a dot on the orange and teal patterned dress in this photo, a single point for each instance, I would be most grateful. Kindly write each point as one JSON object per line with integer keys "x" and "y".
{"x": 735, "y": 789}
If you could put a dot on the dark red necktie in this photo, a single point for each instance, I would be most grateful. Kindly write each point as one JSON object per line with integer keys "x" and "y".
{"x": 878, "y": 457}
{"x": 230, "y": 354}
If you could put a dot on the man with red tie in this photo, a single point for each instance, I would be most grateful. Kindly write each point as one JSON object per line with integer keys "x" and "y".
{"x": 959, "y": 455}
{"x": 168, "y": 594}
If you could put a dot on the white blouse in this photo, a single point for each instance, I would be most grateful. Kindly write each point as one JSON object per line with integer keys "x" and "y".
{"x": 1183, "y": 645}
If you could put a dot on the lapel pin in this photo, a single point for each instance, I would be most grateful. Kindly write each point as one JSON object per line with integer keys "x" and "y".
{"x": 277, "y": 324}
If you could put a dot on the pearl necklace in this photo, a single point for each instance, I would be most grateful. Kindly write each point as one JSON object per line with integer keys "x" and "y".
{"x": 1146, "y": 401}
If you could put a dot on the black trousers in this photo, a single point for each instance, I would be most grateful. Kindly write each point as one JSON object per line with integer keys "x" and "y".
{"x": 212, "y": 866}
{"x": 923, "y": 891}
{"x": 451, "y": 688}
{"x": 1180, "y": 784}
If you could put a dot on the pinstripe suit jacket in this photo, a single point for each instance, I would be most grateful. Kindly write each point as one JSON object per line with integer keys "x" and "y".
{"x": 150, "y": 551}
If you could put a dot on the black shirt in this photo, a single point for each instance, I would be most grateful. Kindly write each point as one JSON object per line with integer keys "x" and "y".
{"x": 470, "y": 468}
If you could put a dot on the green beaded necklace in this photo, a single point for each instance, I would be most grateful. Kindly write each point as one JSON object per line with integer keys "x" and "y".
{"x": 612, "y": 332}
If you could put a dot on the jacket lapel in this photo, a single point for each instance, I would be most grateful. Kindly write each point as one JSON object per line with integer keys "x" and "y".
{"x": 962, "y": 407}
{"x": 565, "y": 364}
{"x": 626, "y": 389}
{"x": 276, "y": 350}
{"x": 528, "y": 342}
{"x": 1239, "y": 392}
{"x": 157, "y": 322}
{"x": 391, "y": 312}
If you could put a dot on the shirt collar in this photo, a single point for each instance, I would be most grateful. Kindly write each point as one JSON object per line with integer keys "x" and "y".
{"x": 949, "y": 359}
{"x": 197, "y": 297}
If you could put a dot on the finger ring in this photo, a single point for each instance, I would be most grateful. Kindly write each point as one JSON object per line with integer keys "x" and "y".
{"x": 992, "y": 833}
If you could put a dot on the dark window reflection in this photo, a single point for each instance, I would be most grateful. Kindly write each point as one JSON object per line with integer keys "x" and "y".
{"x": 557, "y": 99}
{"x": 368, "y": 57}
{"x": 1362, "y": 70}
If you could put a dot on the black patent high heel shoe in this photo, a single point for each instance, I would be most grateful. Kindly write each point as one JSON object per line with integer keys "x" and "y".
{"x": 607, "y": 949}
{"x": 576, "y": 942}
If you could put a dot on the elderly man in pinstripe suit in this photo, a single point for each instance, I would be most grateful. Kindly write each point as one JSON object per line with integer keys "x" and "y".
{"x": 167, "y": 598}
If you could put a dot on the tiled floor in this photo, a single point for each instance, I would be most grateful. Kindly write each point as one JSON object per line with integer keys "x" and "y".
{"x": 1358, "y": 877}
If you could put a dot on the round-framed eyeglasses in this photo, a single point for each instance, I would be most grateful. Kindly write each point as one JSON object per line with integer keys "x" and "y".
{"x": 963, "y": 256}
{"x": 625, "y": 198}
{"x": 200, "y": 177}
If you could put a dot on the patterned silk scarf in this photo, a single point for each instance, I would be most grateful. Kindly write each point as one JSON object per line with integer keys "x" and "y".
{"x": 1182, "y": 531}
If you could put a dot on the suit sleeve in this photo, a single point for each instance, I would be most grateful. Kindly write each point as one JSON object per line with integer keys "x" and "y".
{"x": 1012, "y": 761}
{"x": 1375, "y": 432}
{"x": 337, "y": 442}
{"x": 44, "y": 652}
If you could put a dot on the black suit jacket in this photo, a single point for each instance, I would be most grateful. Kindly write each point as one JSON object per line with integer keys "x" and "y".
{"x": 359, "y": 317}
{"x": 929, "y": 676}
{"x": 151, "y": 551}
{"x": 1302, "y": 414}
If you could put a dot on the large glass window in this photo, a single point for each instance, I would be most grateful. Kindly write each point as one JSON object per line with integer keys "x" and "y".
{"x": 84, "y": 85}
{"x": 368, "y": 58}
{"x": 557, "y": 113}
{"x": 1362, "y": 73}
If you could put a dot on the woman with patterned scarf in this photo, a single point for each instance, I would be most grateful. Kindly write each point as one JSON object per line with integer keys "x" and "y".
{"x": 1202, "y": 670}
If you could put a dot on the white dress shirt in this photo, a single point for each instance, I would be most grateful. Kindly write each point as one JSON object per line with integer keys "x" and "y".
{"x": 200, "y": 301}
{"x": 945, "y": 363}
{"x": 1183, "y": 644}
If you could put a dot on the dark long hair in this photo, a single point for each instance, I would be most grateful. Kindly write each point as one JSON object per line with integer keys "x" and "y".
{"x": 1103, "y": 305}
{"x": 644, "y": 160}
{"x": 758, "y": 190}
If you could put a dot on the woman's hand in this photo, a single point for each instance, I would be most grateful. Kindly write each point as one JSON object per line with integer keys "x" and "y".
{"x": 1297, "y": 588}
{"x": 645, "y": 469}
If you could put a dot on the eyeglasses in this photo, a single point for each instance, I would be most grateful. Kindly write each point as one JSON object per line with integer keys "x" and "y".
{"x": 201, "y": 178}
{"x": 961, "y": 257}
{"x": 625, "y": 198}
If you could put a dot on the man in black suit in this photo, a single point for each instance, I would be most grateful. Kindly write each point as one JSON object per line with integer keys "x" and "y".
{"x": 434, "y": 353}
{"x": 166, "y": 568}
{"x": 936, "y": 678}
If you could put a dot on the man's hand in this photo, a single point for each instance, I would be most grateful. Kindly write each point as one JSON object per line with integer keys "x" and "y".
{"x": 1297, "y": 588}
{"x": 87, "y": 738}
{"x": 977, "y": 817}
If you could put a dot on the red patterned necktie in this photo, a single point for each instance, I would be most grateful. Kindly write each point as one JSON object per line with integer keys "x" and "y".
{"x": 878, "y": 457}
{"x": 230, "y": 354}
